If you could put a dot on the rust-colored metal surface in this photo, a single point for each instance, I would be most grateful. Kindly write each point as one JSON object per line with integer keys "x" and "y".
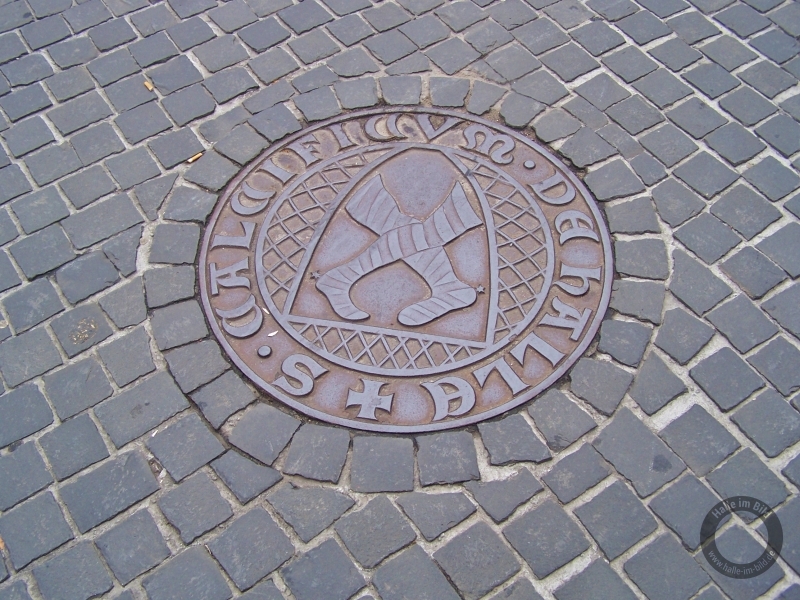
{"x": 405, "y": 270}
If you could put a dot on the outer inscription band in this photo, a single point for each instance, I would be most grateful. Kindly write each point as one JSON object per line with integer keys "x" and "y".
{"x": 405, "y": 270}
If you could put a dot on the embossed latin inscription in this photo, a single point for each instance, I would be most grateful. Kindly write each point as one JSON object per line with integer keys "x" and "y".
{"x": 405, "y": 270}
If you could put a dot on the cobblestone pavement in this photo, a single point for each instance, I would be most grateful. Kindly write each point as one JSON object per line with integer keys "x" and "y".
{"x": 136, "y": 463}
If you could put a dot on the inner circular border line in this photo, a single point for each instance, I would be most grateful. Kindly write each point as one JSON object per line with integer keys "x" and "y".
{"x": 591, "y": 330}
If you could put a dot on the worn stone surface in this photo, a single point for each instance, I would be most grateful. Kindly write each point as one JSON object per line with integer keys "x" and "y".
{"x": 374, "y": 532}
{"x": 576, "y": 473}
{"x": 434, "y": 514}
{"x": 616, "y": 519}
{"x": 534, "y": 536}
{"x": 652, "y": 464}
{"x": 560, "y": 420}
{"x": 500, "y": 498}
{"x": 476, "y": 561}
{"x": 309, "y": 510}
{"x": 252, "y": 546}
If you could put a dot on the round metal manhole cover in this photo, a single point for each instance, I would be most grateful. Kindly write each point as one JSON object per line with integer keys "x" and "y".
{"x": 405, "y": 270}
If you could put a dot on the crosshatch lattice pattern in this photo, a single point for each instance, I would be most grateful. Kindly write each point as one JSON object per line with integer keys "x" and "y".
{"x": 294, "y": 224}
{"x": 383, "y": 350}
{"x": 522, "y": 262}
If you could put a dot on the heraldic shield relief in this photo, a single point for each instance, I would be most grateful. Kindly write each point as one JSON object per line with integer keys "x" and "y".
{"x": 405, "y": 270}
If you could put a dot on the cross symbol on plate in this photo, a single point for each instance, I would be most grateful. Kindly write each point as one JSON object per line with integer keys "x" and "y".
{"x": 370, "y": 399}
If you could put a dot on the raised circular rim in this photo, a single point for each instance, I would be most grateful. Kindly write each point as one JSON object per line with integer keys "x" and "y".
{"x": 516, "y": 401}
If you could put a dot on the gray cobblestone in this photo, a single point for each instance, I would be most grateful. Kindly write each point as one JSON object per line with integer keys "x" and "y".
{"x": 133, "y": 547}
{"x": 576, "y": 473}
{"x": 74, "y": 388}
{"x": 586, "y": 148}
{"x": 222, "y": 397}
{"x": 15, "y": 591}
{"x": 190, "y": 574}
{"x": 602, "y": 91}
{"x": 682, "y": 336}
{"x": 374, "y": 532}
{"x": 129, "y": 414}
{"x": 309, "y": 510}
{"x": 24, "y": 474}
{"x": 533, "y": 535}
{"x": 195, "y": 364}
{"x": 745, "y": 211}
{"x": 736, "y": 542}
{"x": 753, "y": 272}
{"x": 613, "y": 180}
{"x": 500, "y": 498}
{"x": 742, "y": 323}
{"x": 770, "y": 422}
{"x": 511, "y": 440}
{"x": 519, "y": 110}
{"x": 125, "y": 305}
{"x": 655, "y": 385}
{"x": 33, "y": 529}
{"x": 560, "y": 420}
{"x": 52, "y": 163}
{"x": 70, "y": 83}
{"x": 184, "y": 446}
{"x": 654, "y": 570}
{"x": 744, "y": 474}
{"x": 324, "y": 566}
{"x": 108, "y": 490}
{"x": 597, "y": 580}
{"x": 772, "y": 179}
{"x": 32, "y": 304}
{"x": 693, "y": 498}
{"x": 85, "y": 276}
{"x": 81, "y": 328}
{"x": 357, "y": 94}
{"x": 747, "y": 106}
{"x": 382, "y": 464}
{"x": 245, "y": 478}
{"x": 434, "y": 514}
{"x": 317, "y": 453}
{"x": 602, "y": 384}
{"x": 252, "y": 546}
{"x": 167, "y": 285}
{"x": 27, "y": 355}
{"x": 264, "y": 432}
{"x": 428, "y": 582}
{"x": 696, "y": 285}
{"x": 768, "y": 79}
{"x": 782, "y": 247}
{"x": 25, "y": 101}
{"x": 446, "y": 458}
{"x": 27, "y": 136}
{"x": 780, "y": 307}
{"x": 616, "y": 519}
{"x": 778, "y": 361}
{"x": 653, "y": 465}
{"x": 77, "y": 572}
{"x": 111, "y": 34}
{"x": 178, "y": 324}
{"x": 699, "y": 440}
{"x": 476, "y": 561}
{"x": 641, "y": 299}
